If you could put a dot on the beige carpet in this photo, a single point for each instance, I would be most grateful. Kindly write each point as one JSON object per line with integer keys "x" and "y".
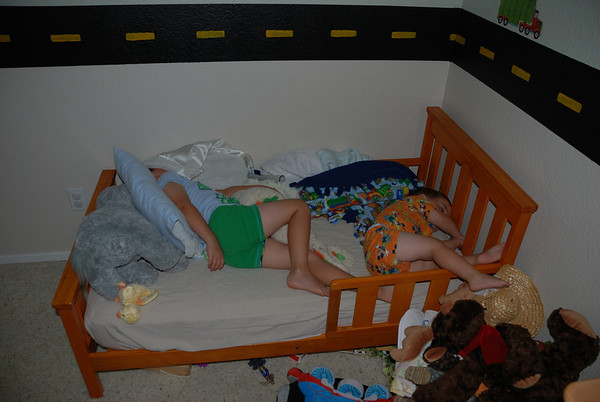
{"x": 37, "y": 363}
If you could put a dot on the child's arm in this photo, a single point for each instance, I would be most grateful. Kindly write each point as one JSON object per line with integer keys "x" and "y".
{"x": 447, "y": 225}
{"x": 230, "y": 191}
{"x": 177, "y": 194}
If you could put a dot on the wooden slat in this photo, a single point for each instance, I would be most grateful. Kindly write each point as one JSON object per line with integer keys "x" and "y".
{"x": 496, "y": 230}
{"x": 447, "y": 174}
{"x": 475, "y": 222}
{"x": 333, "y": 309}
{"x": 434, "y": 165}
{"x": 515, "y": 238}
{"x": 364, "y": 307}
{"x": 461, "y": 196}
{"x": 426, "y": 149}
{"x": 400, "y": 300}
{"x": 437, "y": 287}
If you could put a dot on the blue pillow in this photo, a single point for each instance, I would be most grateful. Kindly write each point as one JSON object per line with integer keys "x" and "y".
{"x": 155, "y": 205}
{"x": 356, "y": 174}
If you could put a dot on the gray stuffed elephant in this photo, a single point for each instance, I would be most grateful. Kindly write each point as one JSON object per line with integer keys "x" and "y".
{"x": 116, "y": 243}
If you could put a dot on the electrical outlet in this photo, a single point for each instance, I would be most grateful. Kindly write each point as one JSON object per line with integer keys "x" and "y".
{"x": 76, "y": 199}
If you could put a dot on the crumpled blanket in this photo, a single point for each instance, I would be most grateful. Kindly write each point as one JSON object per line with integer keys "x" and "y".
{"x": 359, "y": 204}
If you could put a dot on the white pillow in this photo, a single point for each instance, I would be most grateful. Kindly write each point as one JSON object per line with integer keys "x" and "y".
{"x": 294, "y": 165}
{"x": 155, "y": 205}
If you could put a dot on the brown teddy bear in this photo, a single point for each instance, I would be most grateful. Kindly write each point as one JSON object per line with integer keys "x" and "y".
{"x": 463, "y": 325}
{"x": 515, "y": 367}
{"x": 518, "y": 304}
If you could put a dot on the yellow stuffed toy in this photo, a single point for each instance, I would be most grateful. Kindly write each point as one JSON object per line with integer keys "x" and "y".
{"x": 131, "y": 297}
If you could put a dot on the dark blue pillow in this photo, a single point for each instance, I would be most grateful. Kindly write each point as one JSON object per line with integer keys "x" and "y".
{"x": 356, "y": 174}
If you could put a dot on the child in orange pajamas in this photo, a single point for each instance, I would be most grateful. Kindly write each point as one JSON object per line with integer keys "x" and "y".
{"x": 399, "y": 241}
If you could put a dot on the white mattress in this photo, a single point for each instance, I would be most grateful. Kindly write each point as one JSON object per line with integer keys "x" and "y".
{"x": 197, "y": 309}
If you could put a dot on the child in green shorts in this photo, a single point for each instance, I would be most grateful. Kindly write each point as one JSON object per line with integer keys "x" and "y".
{"x": 240, "y": 235}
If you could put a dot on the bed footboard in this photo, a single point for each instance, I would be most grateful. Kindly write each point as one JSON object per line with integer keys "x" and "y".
{"x": 488, "y": 205}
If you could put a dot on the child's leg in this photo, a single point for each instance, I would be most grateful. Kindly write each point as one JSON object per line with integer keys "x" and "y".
{"x": 277, "y": 256}
{"x": 428, "y": 253}
{"x": 296, "y": 215}
{"x": 489, "y": 256}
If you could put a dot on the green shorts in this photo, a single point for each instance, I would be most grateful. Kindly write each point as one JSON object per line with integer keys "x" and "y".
{"x": 240, "y": 233}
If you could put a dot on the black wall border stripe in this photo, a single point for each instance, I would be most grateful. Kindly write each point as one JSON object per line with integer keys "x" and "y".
{"x": 103, "y": 30}
{"x": 559, "y": 92}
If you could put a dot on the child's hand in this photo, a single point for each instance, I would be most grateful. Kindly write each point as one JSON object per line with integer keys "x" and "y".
{"x": 460, "y": 239}
{"x": 455, "y": 242}
{"x": 216, "y": 260}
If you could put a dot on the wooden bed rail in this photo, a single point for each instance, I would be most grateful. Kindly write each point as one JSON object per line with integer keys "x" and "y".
{"x": 450, "y": 161}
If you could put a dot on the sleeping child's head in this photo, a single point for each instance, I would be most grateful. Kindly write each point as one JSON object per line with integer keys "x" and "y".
{"x": 436, "y": 198}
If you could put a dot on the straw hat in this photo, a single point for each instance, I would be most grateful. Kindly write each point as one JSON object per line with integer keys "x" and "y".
{"x": 519, "y": 304}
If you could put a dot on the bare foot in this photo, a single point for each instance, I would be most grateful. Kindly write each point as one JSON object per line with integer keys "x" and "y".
{"x": 296, "y": 280}
{"x": 491, "y": 255}
{"x": 480, "y": 281}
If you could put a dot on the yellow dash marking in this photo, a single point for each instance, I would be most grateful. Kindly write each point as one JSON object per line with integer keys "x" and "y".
{"x": 486, "y": 52}
{"x": 210, "y": 34}
{"x": 66, "y": 38}
{"x": 519, "y": 72}
{"x": 569, "y": 102}
{"x": 404, "y": 35}
{"x": 457, "y": 38}
{"x": 343, "y": 33}
{"x": 135, "y": 36}
{"x": 279, "y": 33}
{"x": 4, "y": 38}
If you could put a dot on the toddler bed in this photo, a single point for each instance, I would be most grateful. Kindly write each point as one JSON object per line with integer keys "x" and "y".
{"x": 256, "y": 315}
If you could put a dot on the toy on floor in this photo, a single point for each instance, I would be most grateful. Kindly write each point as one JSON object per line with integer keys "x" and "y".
{"x": 522, "y": 370}
{"x": 322, "y": 386}
{"x": 131, "y": 297}
{"x": 258, "y": 365}
{"x": 518, "y": 304}
{"x": 420, "y": 363}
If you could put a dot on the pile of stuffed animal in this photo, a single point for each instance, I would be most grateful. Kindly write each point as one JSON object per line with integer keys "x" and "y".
{"x": 467, "y": 357}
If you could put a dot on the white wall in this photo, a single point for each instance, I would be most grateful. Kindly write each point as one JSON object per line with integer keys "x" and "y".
{"x": 560, "y": 250}
{"x": 59, "y": 125}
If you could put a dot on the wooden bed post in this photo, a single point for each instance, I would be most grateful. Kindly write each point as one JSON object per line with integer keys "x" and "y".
{"x": 70, "y": 304}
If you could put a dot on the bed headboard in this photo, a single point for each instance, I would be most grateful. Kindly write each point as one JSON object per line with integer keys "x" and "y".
{"x": 487, "y": 204}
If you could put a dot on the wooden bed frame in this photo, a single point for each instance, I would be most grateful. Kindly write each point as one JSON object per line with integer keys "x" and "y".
{"x": 446, "y": 150}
